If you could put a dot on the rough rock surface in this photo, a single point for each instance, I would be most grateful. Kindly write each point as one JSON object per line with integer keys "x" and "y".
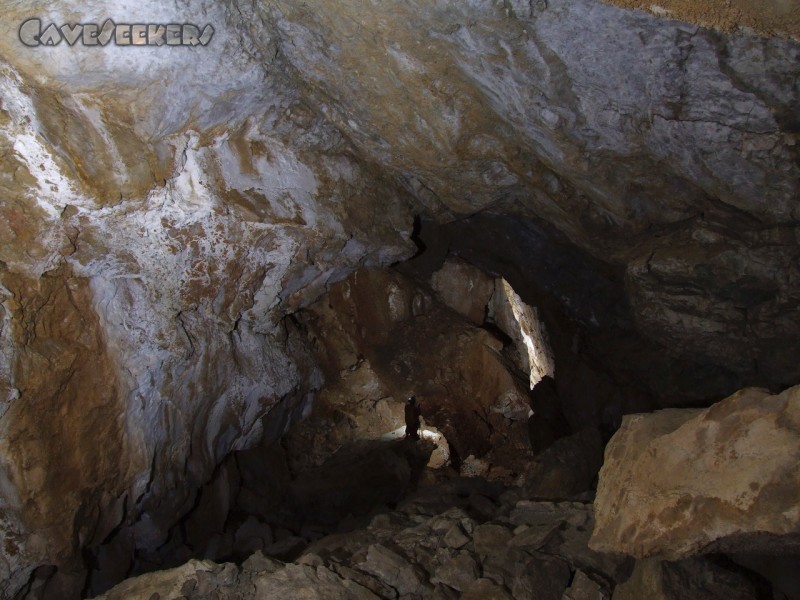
{"x": 377, "y": 334}
{"x": 438, "y": 543}
{"x": 697, "y": 578}
{"x": 464, "y": 288}
{"x": 164, "y": 211}
{"x": 667, "y": 151}
{"x": 769, "y": 17}
{"x": 679, "y": 482}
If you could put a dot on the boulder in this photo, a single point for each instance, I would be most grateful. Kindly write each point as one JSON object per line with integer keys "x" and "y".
{"x": 458, "y": 572}
{"x": 543, "y": 578}
{"x": 568, "y": 468}
{"x": 394, "y": 570}
{"x": 485, "y": 589}
{"x": 584, "y": 588}
{"x": 304, "y": 582}
{"x": 680, "y": 482}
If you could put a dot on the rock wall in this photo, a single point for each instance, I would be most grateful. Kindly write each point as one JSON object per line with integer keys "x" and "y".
{"x": 382, "y": 336}
{"x": 665, "y": 151}
{"x": 163, "y": 210}
{"x": 772, "y": 17}
{"x": 62, "y": 488}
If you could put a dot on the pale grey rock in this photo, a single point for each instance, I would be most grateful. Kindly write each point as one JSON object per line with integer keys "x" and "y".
{"x": 566, "y": 469}
{"x": 533, "y": 537}
{"x": 253, "y": 535}
{"x": 364, "y": 579}
{"x": 172, "y": 584}
{"x": 521, "y": 322}
{"x": 644, "y": 141}
{"x": 182, "y": 189}
{"x": 504, "y": 566}
{"x": 258, "y": 563}
{"x": 176, "y": 206}
{"x": 484, "y": 589}
{"x": 464, "y": 288}
{"x": 570, "y": 538}
{"x": 304, "y": 582}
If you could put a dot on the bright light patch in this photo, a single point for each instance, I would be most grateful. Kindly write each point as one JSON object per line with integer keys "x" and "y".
{"x": 433, "y": 436}
{"x": 440, "y": 455}
{"x": 533, "y": 335}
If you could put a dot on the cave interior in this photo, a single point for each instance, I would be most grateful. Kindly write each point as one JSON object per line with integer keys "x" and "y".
{"x": 570, "y": 229}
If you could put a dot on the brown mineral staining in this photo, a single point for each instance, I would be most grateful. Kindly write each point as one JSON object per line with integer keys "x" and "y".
{"x": 69, "y": 403}
{"x": 738, "y": 478}
{"x": 766, "y": 17}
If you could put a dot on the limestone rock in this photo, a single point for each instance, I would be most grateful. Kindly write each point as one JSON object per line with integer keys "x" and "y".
{"x": 542, "y": 577}
{"x": 566, "y": 469}
{"x": 679, "y": 482}
{"x": 767, "y": 18}
{"x": 521, "y": 322}
{"x": 394, "y": 569}
{"x": 167, "y": 212}
{"x": 474, "y": 467}
{"x": 676, "y": 161}
{"x": 455, "y": 537}
{"x": 378, "y": 352}
{"x": 376, "y": 473}
{"x": 458, "y": 572}
{"x": 158, "y": 224}
{"x": 252, "y": 535}
{"x": 173, "y": 583}
{"x": 490, "y": 537}
{"x": 464, "y": 288}
{"x": 485, "y": 589}
{"x": 406, "y": 553}
{"x": 570, "y": 538}
{"x": 584, "y": 588}
{"x": 304, "y": 582}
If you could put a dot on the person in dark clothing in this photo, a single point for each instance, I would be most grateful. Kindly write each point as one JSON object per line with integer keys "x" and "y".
{"x": 412, "y": 414}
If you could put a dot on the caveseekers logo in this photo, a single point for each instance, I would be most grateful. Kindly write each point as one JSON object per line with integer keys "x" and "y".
{"x": 91, "y": 34}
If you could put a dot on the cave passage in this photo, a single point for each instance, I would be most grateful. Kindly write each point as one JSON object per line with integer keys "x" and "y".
{"x": 460, "y": 339}
{"x": 570, "y": 229}
{"x": 494, "y": 367}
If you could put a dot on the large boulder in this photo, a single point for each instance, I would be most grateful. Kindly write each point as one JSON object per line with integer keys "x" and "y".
{"x": 680, "y": 482}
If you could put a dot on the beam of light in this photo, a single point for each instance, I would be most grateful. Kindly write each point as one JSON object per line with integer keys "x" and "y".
{"x": 533, "y": 334}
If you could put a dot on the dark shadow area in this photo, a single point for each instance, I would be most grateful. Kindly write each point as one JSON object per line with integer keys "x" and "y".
{"x": 584, "y": 305}
{"x": 357, "y": 479}
{"x": 255, "y": 504}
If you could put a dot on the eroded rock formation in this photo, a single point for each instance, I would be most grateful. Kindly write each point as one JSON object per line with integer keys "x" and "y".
{"x": 157, "y": 225}
{"x": 665, "y": 150}
{"x": 383, "y": 336}
{"x": 463, "y": 539}
{"x": 171, "y": 217}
